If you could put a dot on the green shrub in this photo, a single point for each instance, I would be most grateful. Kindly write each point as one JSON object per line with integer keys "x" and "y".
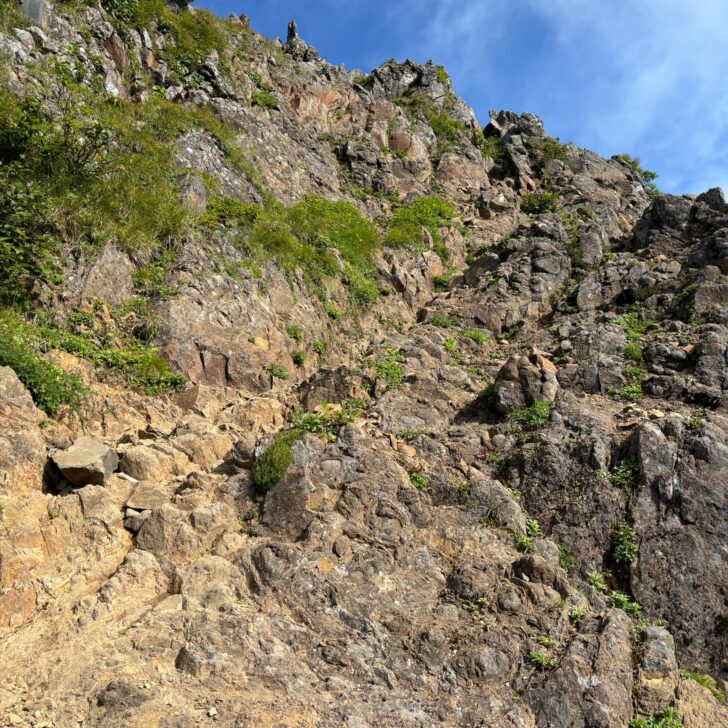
{"x": 298, "y": 357}
{"x": 441, "y": 283}
{"x": 272, "y": 465}
{"x": 405, "y": 227}
{"x": 634, "y": 325}
{"x": 535, "y": 203}
{"x": 566, "y": 559}
{"x": 633, "y": 352}
{"x": 295, "y": 332}
{"x": 277, "y": 372}
{"x": 533, "y": 529}
{"x": 450, "y": 345}
{"x": 51, "y": 388}
{"x": 624, "y": 544}
{"x": 547, "y": 150}
{"x": 535, "y": 415}
{"x": 319, "y": 346}
{"x": 647, "y": 178}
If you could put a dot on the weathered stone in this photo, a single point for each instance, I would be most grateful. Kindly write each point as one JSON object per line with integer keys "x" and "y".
{"x": 86, "y": 462}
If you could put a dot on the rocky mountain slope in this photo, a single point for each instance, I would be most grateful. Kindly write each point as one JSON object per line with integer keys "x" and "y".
{"x": 323, "y": 405}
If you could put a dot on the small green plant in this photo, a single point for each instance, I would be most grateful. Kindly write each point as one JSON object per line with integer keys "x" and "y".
{"x": 546, "y": 641}
{"x": 623, "y": 474}
{"x": 419, "y": 481}
{"x": 535, "y": 415}
{"x": 441, "y": 283}
{"x": 669, "y": 718}
{"x": 533, "y": 529}
{"x": 541, "y": 661}
{"x": 478, "y": 609}
{"x": 295, "y": 332}
{"x": 596, "y": 580}
{"x": 249, "y": 516}
{"x": 634, "y": 325}
{"x": 477, "y": 336}
{"x": 298, "y": 357}
{"x": 389, "y": 367}
{"x": 319, "y": 346}
{"x": 547, "y": 150}
{"x": 411, "y": 433}
{"x": 694, "y": 424}
{"x": 515, "y": 494}
{"x": 706, "y": 681}
{"x": 576, "y": 614}
{"x": 494, "y": 458}
{"x": 276, "y": 371}
{"x": 450, "y": 345}
{"x": 331, "y": 311}
{"x": 536, "y": 203}
{"x": 633, "y": 352}
{"x": 265, "y": 99}
{"x": 272, "y": 465}
{"x": 624, "y": 544}
{"x": 522, "y": 543}
{"x": 328, "y": 419}
{"x": 632, "y": 391}
{"x": 443, "y": 322}
{"x": 620, "y": 600}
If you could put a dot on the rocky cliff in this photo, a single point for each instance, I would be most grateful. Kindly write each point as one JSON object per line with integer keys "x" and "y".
{"x": 322, "y": 404}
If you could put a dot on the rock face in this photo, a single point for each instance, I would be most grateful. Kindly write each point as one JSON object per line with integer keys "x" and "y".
{"x": 86, "y": 462}
{"x": 499, "y": 491}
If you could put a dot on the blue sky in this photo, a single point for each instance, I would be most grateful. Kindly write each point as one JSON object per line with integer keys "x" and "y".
{"x": 647, "y": 77}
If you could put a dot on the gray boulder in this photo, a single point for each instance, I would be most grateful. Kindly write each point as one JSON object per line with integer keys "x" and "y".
{"x": 86, "y": 462}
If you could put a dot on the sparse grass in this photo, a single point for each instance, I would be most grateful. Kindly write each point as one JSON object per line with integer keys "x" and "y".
{"x": 706, "y": 681}
{"x": 669, "y": 718}
{"x": 450, "y": 345}
{"x": 535, "y": 415}
{"x": 443, "y": 322}
{"x": 566, "y": 559}
{"x": 295, "y": 332}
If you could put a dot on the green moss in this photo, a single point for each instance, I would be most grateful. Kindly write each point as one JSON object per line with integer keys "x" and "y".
{"x": 272, "y": 465}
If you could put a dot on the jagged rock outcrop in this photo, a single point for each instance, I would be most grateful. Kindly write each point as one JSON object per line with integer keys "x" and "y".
{"x": 429, "y": 545}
